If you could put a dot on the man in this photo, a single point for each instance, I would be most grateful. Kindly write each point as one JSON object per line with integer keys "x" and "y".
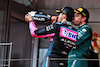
{"x": 54, "y": 19}
{"x": 63, "y": 33}
{"x": 83, "y": 40}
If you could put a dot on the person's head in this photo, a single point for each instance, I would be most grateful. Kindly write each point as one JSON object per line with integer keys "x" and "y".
{"x": 81, "y": 16}
{"x": 65, "y": 13}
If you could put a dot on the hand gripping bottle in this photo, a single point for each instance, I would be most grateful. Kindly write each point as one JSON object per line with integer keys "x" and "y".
{"x": 40, "y": 16}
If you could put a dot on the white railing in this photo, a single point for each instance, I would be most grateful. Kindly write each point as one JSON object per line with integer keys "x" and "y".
{"x": 9, "y": 54}
{"x": 31, "y": 59}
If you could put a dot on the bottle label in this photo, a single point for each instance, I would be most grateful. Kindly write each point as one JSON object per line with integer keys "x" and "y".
{"x": 38, "y": 18}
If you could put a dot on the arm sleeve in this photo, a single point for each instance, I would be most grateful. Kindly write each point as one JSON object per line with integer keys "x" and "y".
{"x": 82, "y": 35}
{"x": 40, "y": 33}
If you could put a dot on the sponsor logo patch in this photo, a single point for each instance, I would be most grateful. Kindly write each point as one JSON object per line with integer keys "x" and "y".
{"x": 68, "y": 33}
{"x": 84, "y": 30}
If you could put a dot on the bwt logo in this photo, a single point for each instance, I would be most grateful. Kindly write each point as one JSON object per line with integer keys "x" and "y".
{"x": 69, "y": 34}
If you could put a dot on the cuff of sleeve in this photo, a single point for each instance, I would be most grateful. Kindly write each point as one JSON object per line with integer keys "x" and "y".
{"x": 32, "y": 20}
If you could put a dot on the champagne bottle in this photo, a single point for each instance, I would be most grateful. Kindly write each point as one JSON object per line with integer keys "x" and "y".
{"x": 40, "y": 16}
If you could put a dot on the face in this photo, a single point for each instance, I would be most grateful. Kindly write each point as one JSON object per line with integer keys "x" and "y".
{"x": 77, "y": 19}
{"x": 60, "y": 17}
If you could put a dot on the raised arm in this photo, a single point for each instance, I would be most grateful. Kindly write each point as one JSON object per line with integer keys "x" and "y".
{"x": 39, "y": 33}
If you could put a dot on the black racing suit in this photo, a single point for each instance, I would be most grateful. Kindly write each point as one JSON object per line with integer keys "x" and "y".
{"x": 64, "y": 40}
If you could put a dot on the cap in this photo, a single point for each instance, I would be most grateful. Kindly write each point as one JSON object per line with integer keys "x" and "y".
{"x": 66, "y": 10}
{"x": 62, "y": 10}
{"x": 82, "y": 11}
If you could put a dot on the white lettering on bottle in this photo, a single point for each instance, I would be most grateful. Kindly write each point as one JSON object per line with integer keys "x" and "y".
{"x": 38, "y": 18}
